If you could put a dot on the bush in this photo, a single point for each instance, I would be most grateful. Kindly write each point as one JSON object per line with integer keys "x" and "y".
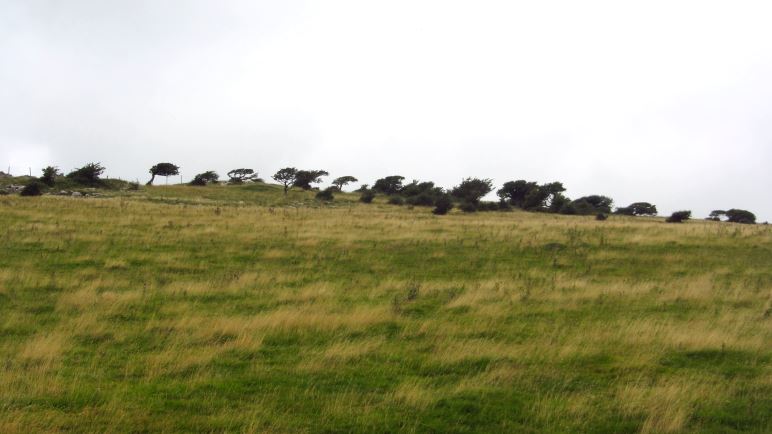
{"x": 396, "y": 200}
{"x": 326, "y": 194}
{"x": 367, "y": 196}
{"x": 488, "y": 206}
{"x": 31, "y": 189}
{"x": 679, "y": 216}
{"x": 49, "y": 175}
{"x": 468, "y": 207}
{"x": 88, "y": 174}
{"x": 442, "y": 205}
{"x": 205, "y": 178}
{"x": 600, "y": 217}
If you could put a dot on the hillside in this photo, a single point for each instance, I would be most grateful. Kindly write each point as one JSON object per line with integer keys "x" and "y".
{"x": 234, "y": 308}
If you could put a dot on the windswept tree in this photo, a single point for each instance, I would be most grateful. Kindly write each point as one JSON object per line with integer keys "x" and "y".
{"x": 592, "y": 204}
{"x": 716, "y": 215}
{"x": 740, "y": 216}
{"x": 163, "y": 169}
{"x": 421, "y": 193}
{"x": 285, "y": 177}
{"x": 679, "y": 216}
{"x": 88, "y": 174}
{"x": 637, "y": 209}
{"x": 49, "y": 175}
{"x": 239, "y": 176}
{"x": 208, "y": 177}
{"x": 443, "y": 204}
{"x": 341, "y": 182}
{"x": 471, "y": 190}
{"x": 304, "y": 178}
{"x": 515, "y": 192}
{"x": 389, "y": 185}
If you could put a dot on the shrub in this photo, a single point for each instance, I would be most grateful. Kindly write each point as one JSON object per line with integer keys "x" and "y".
{"x": 205, "y": 178}
{"x": 49, "y": 175}
{"x": 468, "y": 207}
{"x": 389, "y": 185}
{"x": 326, "y": 194}
{"x": 367, "y": 196}
{"x": 679, "y": 216}
{"x": 488, "y": 206}
{"x": 88, "y": 174}
{"x": 600, "y": 216}
{"x": 31, "y": 189}
{"x": 471, "y": 190}
{"x": 442, "y": 205}
{"x": 396, "y": 200}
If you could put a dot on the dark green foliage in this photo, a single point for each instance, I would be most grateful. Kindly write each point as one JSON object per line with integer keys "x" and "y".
{"x": 471, "y": 190}
{"x": 367, "y": 196}
{"x": 679, "y": 216}
{"x": 49, "y": 175}
{"x": 558, "y": 202}
{"x": 443, "y": 204}
{"x": 716, "y": 215}
{"x": 740, "y": 216}
{"x": 396, "y": 200}
{"x": 239, "y": 176}
{"x": 341, "y": 182}
{"x": 88, "y": 174}
{"x": 389, "y": 185}
{"x": 516, "y": 191}
{"x": 326, "y": 194}
{"x": 421, "y": 193}
{"x": 488, "y": 206}
{"x": 600, "y": 217}
{"x": 205, "y": 178}
{"x": 532, "y": 196}
{"x": 363, "y": 187}
{"x": 589, "y": 205}
{"x": 637, "y": 209}
{"x": 304, "y": 178}
{"x": 31, "y": 189}
{"x": 163, "y": 169}
{"x": 285, "y": 177}
{"x": 468, "y": 207}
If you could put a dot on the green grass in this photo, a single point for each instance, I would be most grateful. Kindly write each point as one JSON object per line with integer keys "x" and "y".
{"x": 236, "y": 309}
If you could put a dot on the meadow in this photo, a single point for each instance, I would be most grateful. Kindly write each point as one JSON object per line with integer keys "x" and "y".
{"x": 235, "y": 309}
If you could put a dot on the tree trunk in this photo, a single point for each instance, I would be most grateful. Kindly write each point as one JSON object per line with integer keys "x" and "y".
{"x": 151, "y": 179}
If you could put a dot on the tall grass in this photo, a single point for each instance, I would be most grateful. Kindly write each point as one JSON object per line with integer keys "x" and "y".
{"x": 237, "y": 309}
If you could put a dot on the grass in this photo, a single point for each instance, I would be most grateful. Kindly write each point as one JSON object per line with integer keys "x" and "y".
{"x": 235, "y": 309}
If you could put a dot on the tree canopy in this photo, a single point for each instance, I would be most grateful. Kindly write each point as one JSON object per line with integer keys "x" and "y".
{"x": 285, "y": 177}
{"x": 389, "y": 185}
{"x": 341, "y": 182}
{"x": 304, "y": 178}
{"x": 239, "y": 176}
{"x": 163, "y": 169}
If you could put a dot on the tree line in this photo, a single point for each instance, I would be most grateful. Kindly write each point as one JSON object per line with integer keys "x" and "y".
{"x": 466, "y": 196}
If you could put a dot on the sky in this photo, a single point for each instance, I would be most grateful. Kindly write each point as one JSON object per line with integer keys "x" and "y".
{"x": 668, "y": 102}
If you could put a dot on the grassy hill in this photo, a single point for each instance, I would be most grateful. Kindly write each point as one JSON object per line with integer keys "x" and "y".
{"x": 236, "y": 309}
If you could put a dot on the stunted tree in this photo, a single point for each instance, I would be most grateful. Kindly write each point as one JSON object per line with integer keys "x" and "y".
{"x": 592, "y": 204}
{"x": 716, "y": 215}
{"x": 471, "y": 190}
{"x": 88, "y": 174}
{"x": 163, "y": 169}
{"x": 49, "y": 175}
{"x": 515, "y": 192}
{"x": 341, "y": 182}
{"x": 443, "y": 204}
{"x": 679, "y": 216}
{"x": 285, "y": 177}
{"x": 637, "y": 209}
{"x": 389, "y": 185}
{"x": 304, "y": 178}
{"x": 740, "y": 216}
{"x": 239, "y": 176}
{"x": 208, "y": 177}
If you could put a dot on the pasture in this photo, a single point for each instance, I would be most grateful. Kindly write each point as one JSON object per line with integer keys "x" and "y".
{"x": 234, "y": 309}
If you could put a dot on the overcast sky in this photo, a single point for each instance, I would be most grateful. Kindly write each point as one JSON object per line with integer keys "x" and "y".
{"x": 661, "y": 101}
